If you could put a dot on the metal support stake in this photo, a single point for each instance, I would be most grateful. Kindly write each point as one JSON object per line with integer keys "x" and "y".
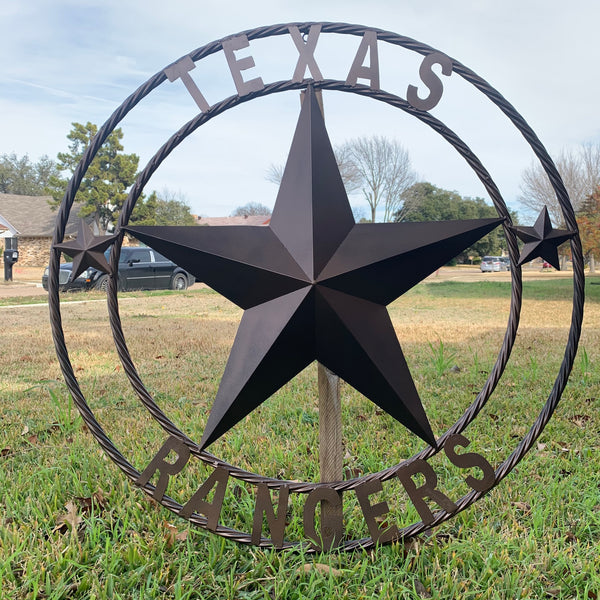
{"x": 331, "y": 448}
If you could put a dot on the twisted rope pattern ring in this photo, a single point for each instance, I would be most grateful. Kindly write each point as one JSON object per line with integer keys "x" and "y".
{"x": 516, "y": 294}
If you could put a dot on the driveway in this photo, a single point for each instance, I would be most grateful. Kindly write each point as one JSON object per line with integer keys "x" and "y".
{"x": 15, "y": 289}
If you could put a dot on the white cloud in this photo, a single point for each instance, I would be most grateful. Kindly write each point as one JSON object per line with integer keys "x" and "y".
{"x": 67, "y": 60}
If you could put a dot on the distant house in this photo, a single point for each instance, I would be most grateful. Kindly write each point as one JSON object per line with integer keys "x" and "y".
{"x": 249, "y": 220}
{"x": 30, "y": 221}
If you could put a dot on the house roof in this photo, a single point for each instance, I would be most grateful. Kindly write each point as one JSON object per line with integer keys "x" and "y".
{"x": 249, "y": 220}
{"x": 31, "y": 216}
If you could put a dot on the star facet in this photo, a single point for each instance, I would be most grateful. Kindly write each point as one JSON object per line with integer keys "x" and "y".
{"x": 87, "y": 250}
{"x": 542, "y": 240}
{"x": 314, "y": 286}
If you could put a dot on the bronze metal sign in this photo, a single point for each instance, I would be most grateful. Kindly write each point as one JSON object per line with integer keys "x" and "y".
{"x": 314, "y": 285}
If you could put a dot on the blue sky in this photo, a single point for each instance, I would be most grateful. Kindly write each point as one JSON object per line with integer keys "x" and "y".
{"x": 65, "y": 61}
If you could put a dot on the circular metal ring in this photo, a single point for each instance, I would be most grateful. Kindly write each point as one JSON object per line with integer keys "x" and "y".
{"x": 578, "y": 279}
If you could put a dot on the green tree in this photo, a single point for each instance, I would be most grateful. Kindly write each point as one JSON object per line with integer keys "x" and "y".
{"x": 103, "y": 189}
{"x": 166, "y": 209}
{"x": 23, "y": 177}
{"x": 425, "y": 202}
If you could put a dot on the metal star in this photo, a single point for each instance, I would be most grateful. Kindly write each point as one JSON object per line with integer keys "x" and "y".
{"x": 87, "y": 250}
{"x": 314, "y": 286}
{"x": 542, "y": 240}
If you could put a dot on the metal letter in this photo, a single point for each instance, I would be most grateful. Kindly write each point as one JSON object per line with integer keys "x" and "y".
{"x": 431, "y": 80}
{"x": 264, "y": 505}
{"x": 180, "y": 70}
{"x": 307, "y": 51}
{"x": 470, "y": 459}
{"x": 418, "y": 494}
{"x": 332, "y": 521}
{"x": 211, "y": 510}
{"x": 236, "y": 66}
{"x": 158, "y": 463}
{"x": 371, "y": 511}
{"x": 357, "y": 70}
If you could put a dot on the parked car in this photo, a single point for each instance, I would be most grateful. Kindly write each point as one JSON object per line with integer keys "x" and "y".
{"x": 506, "y": 262}
{"x": 139, "y": 269}
{"x": 495, "y": 263}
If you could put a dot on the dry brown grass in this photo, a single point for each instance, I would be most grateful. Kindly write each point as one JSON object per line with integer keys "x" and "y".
{"x": 180, "y": 343}
{"x": 167, "y": 328}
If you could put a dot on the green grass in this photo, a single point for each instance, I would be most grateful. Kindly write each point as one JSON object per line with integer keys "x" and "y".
{"x": 537, "y": 289}
{"x": 534, "y": 536}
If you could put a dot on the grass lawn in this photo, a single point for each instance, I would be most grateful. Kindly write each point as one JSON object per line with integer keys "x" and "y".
{"x": 73, "y": 526}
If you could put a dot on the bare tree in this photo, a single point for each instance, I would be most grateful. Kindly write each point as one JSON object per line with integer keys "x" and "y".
{"x": 590, "y": 157}
{"x": 274, "y": 173}
{"x": 385, "y": 173}
{"x": 250, "y": 209}
{"x": 379, "y": 167}
{"x": 348, "y": 172}
{"x": 580, "y": 172}
{"x": 359, "y": 213}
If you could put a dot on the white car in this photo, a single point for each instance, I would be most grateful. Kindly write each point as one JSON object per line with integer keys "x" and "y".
{"x": 495, "y": 263}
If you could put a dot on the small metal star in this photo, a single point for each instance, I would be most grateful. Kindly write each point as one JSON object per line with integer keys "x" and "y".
{"x": 87, "y": 250}
{"x": 542, "y": 240}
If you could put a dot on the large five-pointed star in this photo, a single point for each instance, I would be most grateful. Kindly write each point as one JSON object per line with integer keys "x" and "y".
{"x": 314, "y": 286}
{"x": 542, "y": 240}
{"x": 87, "y": 250}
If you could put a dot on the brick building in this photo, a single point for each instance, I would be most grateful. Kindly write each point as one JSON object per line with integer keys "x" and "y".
{"x": 31, "y": 221}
